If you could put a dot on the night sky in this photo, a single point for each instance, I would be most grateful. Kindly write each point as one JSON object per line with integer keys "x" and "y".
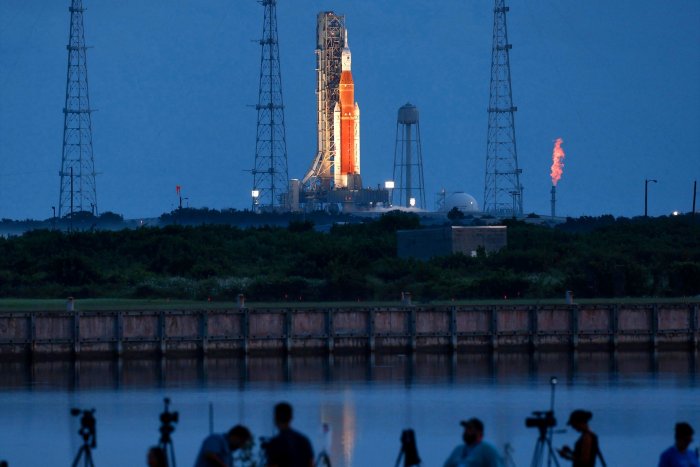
{"x": 619, "y": 81}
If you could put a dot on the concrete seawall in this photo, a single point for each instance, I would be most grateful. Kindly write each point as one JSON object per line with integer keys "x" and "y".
{"x": 317, "y": 330}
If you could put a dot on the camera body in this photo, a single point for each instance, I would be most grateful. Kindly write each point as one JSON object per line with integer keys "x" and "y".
{"x": 88, "y": 425}
{"x": 167, "y": 420}
{"x": 541, "y": 420}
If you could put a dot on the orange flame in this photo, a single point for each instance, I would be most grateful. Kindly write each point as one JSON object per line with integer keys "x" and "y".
{"x": 557, "y": 161}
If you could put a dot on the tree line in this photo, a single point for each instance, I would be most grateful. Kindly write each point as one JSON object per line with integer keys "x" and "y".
{"x": 593, "y": 257}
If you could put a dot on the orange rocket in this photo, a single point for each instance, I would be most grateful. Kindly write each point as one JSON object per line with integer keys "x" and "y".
{"x": 346, "y": 119}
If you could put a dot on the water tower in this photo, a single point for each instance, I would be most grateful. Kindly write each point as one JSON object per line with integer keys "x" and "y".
{"x": 408, "y": 160}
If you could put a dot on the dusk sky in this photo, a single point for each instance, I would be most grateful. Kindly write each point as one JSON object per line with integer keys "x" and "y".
{"x": 619, "y": 81}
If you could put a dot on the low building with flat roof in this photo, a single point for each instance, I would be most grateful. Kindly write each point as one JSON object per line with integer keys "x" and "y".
{"x": 443, "y": 241}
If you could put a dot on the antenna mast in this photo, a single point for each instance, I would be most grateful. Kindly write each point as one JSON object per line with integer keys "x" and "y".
{"x": 503, "y": 193}
{"x": 270, "y": 176}
{"x": 78, "y": 191}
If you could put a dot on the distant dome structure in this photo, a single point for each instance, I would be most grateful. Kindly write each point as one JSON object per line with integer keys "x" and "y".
{"x": 462, "y": 201}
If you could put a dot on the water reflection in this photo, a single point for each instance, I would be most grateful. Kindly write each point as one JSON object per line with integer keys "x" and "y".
{"x": 367, "y": 400}
{"x": 410, "y": 370}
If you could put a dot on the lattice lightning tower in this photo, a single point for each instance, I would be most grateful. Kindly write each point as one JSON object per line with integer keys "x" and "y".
{"x": 270, "y": 176}
{"x": 503, "y": 194}
{"x": 78, "y": 191}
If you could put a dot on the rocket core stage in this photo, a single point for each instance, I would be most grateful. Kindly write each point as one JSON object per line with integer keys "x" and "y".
{"x": 346, "y": 127}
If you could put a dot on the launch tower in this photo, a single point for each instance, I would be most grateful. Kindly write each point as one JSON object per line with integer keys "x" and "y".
{"x": 330, "y": 46}
{"x": 270, "y": 176}
{"x": 503, "y": 194}
{"x": 77, "y": 191}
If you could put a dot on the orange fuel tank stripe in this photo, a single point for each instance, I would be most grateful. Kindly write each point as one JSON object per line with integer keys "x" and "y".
{"x": 347, "y": 123}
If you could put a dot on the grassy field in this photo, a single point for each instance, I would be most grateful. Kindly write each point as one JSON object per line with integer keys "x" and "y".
{"x": 9, "y": 305}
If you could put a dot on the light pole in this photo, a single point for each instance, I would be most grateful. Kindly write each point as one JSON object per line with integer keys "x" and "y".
{"x": 255, "y": 194}
{"x": 389, "y": 186}
{"x": 646, "y": 193}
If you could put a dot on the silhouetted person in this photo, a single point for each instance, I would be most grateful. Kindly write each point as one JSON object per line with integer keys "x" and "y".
{"x": 289, "y": 448}
{"x": 586, "y": 448}
{"x": 217, "y": 449}
{"x": 459, "y": 454}
{"x": 475, "y": 452}
{"x": 156, "y": 457}
{"x": 679, "y": 455}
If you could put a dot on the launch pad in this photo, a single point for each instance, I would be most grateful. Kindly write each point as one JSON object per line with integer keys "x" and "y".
{"x": 337, "y": 200}
{"x": 333, "y": 182}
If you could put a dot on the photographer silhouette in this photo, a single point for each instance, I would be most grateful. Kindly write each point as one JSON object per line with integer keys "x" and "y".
{"x": 679, "y": 453}
{"x": 289, "y": 447}
{"x": 586, "y": 448}
{"x": 475, "y": 452}
{"x": 217, "y": 449}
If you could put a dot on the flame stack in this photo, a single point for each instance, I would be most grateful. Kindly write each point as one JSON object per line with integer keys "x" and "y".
{"x": 556, "y": 170}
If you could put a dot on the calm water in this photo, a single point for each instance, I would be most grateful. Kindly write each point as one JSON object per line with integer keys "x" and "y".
{"x": 636, "y": 398}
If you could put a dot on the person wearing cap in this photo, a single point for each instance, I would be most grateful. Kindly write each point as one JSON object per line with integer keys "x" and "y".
{"x": 679, "y": 455}
{"x": 586, "y": 448}
{"x": 217, "y": 449}
{"x": 474, "y": 452}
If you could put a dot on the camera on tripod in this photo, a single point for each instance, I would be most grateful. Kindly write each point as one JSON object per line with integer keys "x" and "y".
{"x": 88, "y": 425}
{"x": 542, "y": 420}
{"x": 409, "y": 450}
{"x": 87, "y": 431}
{"x": 167, "y": 420}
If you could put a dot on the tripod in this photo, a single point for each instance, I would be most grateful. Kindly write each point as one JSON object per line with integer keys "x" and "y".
{"x": 545, "y": 423}
{"x": 323, "y": 460}
{"x": 85, "y": 451}
{"x": 543, "y": 449}
{"x": 166, "y": 444}
{"x": 167, "y": 420}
